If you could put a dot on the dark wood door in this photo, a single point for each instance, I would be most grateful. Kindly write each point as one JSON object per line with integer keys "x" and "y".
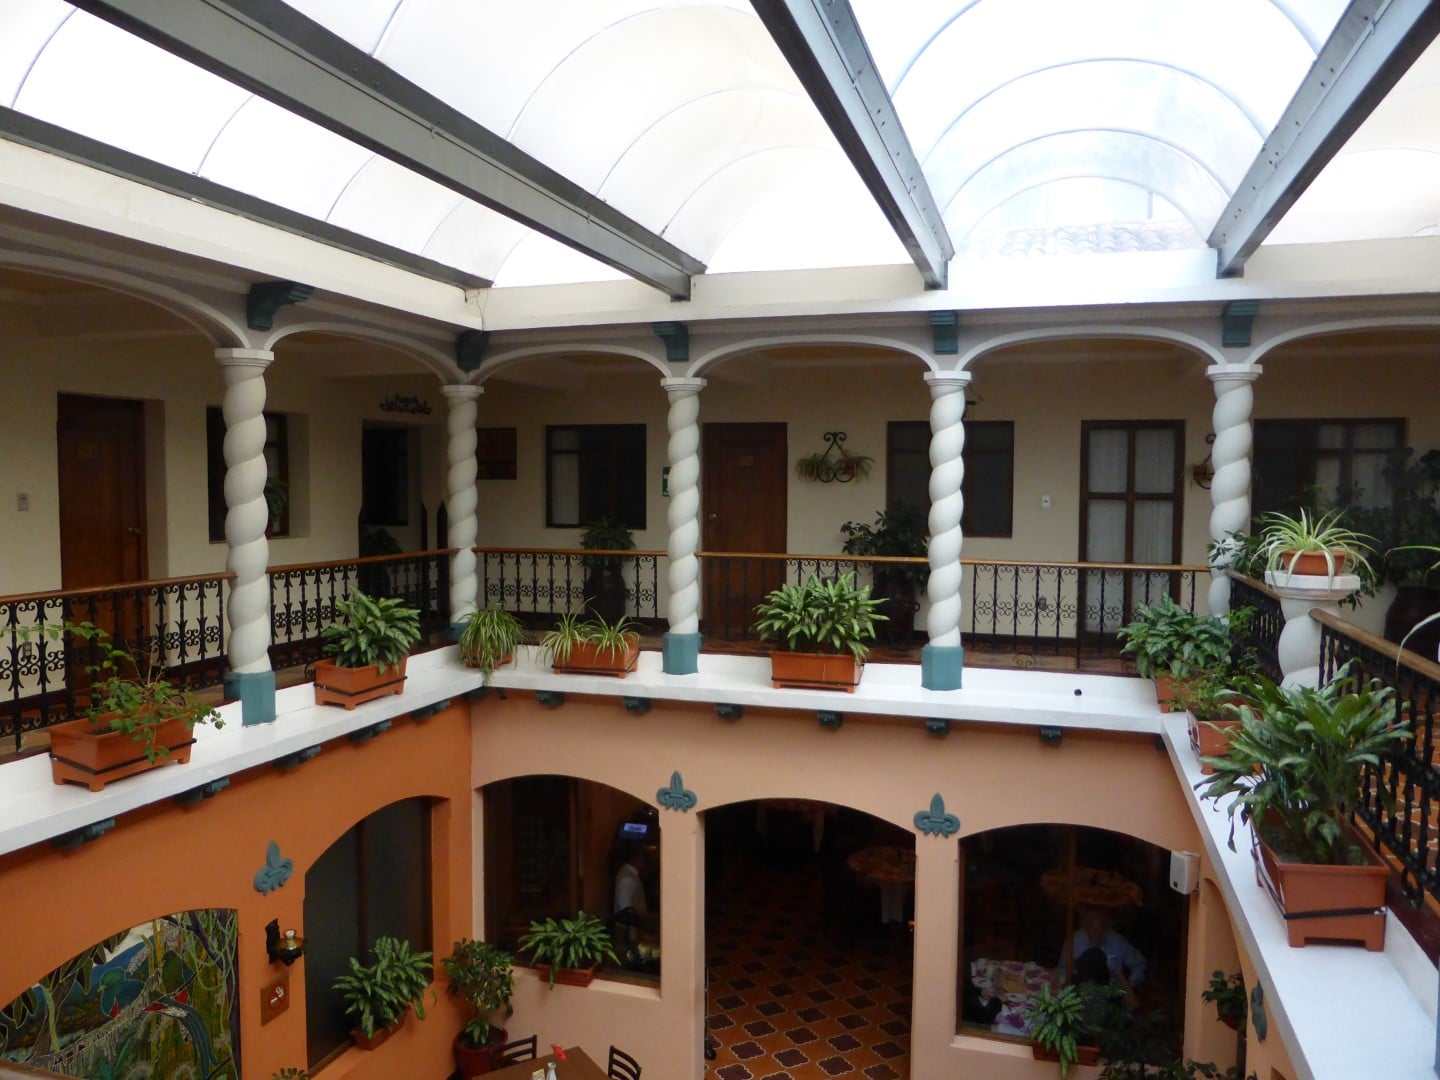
{"x": 101, "y": 456}
{"x": 744, "y": 471}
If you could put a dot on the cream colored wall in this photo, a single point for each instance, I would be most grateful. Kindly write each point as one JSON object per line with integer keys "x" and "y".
{"x": 177, "y": 377}
{"x": 989, "y": 777}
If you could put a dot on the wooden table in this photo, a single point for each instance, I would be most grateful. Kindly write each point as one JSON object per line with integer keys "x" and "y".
{"x": 576, "y": 1066}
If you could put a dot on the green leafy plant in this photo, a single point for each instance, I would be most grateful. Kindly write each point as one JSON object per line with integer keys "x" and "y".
{"x": 608, "y": 638}
{"x": 1295, "y": 762}
{"x": 572, "y": 943}
{"x": 1058, "y": 1022}
{"x": 1427, "y": 552}
{"x": 1283, "y": 539}
{"x": 489, "y": 635}
{"x": 290, "y": 1073}
{"x": 1227, "y": 994}
{"x": 897, "y": 533}
{"x": 1240, "y": 551}
{"x": 820, "y": 616}
{"x": 277, "y": 499}
{"x": 371, "y": 630}
{"x": 1409, "y": 526}
{"x": 1167, "y": 639}
{"x": 820, "y": 466}
{"x": 481, "y": 974}
{"x": 605, "y": 535}
{"x": 378, "y": 994}
{"x": 129, "y": 694}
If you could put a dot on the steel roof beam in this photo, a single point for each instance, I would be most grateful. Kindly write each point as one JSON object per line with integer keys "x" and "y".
{"x": 1372, "y": 46}
{"x": 272, "y": 50}
{"x": 822, "y": 41}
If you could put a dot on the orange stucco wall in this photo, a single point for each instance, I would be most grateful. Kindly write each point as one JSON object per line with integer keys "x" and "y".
{"x": 165, "y": 859}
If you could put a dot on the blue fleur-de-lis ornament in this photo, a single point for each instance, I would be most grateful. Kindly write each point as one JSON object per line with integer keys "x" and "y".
{"x": 675, "y": 796}
{"x": 935, "y": 821}
{"x": 275, "y": 872}
{"x": 1258, "y": 1020}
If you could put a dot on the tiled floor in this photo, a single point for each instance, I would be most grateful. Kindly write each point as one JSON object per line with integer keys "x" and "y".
{"x": 787, "y": 1002}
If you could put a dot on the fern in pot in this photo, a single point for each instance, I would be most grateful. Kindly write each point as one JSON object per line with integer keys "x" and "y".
{"x": 489, "y": 639}
{"x": 569, "y": 950}
{"x": 825, "y": 629}
{"x": 592, "y": 646}
{"x": 380, "y": 994}
{"x": 481, "y": 974}
{"x": 368, "y": 644}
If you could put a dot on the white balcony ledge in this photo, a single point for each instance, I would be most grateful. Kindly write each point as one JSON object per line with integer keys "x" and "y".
{"x": 1343, "y": 1013}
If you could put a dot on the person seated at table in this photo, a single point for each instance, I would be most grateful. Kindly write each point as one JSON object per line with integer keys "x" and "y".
{"x": 1100, "y": 988}
{"x": 1096, "y": 931}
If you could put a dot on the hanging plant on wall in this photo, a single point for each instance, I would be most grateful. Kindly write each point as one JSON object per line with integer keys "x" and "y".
{"x": 834, "y": 464}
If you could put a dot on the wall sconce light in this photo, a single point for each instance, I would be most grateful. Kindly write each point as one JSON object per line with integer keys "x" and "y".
{"x": 283, "y": 948}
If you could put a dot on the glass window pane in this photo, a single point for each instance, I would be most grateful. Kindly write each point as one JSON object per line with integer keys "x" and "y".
{"x": 1105, "y": 531}
{"x": 1154, "y": 532}
{"x": 1155, "y": 466}
{"x": 1382, "y": 436}
{"x": 332, "y": 936}
{"x": 1331, "y": 436}
{"x": 397, "y": 861}
{"x": 1108, "y": 456}
{"x": 564, "y": 506}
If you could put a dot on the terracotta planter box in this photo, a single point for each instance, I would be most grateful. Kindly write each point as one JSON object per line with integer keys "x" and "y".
{"x": 585, "y": 659}
{"x": 1310, "y": 564}
{"x": 471, "y": 1061}
{"x": 1305, "y": 891}
{"x": 1167, "y": 693}
{"x": 1210, "y": 738}
{"x": 569, "y": 976}
{"x": 354, "y": 686}
{"x": 381, "y": 1034}
{"x": 81, "y": 754}
{"x": 815, "y": 671}
{"x": 1084, "y": 1055}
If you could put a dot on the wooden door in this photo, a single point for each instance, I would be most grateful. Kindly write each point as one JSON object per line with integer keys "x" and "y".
{"x": 101, "y": 456}
{"x": 743, "y": 504}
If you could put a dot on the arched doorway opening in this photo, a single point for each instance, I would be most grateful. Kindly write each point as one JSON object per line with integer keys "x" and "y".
{"x": 809, "y": 941}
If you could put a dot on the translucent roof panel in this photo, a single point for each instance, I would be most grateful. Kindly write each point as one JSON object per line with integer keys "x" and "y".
{"x": 1000, "y": 97}
{"x": 1385, "y": 181}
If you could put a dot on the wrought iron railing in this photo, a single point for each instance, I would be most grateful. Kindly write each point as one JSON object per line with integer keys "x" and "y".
{"x": 1401, "y": 798}
{"x": 538, "y": 584}
{"x": 303, "y": 596}
{"x": 1263, "y": 635}
{"x": 176, "y": 625}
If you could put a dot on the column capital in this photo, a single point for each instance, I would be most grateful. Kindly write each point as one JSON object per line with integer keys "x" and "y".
{"x": 1237, "y": 372}
{"x": 256, "y": 358}
{"x": 948, "y": 380}
{"x": 462, "y": 391}
{"x": 680, "y": 384}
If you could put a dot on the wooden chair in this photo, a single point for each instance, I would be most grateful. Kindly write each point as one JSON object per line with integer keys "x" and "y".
{"x": 622, "y": 1066}
{"x": 516, "y": 1050}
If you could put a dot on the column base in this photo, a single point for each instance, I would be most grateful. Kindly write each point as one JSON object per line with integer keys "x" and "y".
{"x": 680, "y": 654}
{"x": 255, "y": 690}
{"x": 452, "y": 634}
{"x": 942, "y": 667}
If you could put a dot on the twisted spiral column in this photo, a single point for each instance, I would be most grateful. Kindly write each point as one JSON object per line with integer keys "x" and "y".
{"x": 681, "y": 645}
{"x": 462, "y": 501}
{"x": 1230, "y": 457}
{"x": 250, "y": 677}
{"x": 942, "y": 660}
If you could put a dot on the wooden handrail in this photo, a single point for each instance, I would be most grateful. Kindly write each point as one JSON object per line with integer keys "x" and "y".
{"x": 124, "y": 586}
{"x": 628, "y": 552}
{"x": 1254, "y": 583}
{"x": 1412, "y": 660}
{"x": 359, "y": 560}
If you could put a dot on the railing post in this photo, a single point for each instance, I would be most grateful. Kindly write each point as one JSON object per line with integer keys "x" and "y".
{"x": 461, "y": 499}
{"x": 1299, "y": 648}
{"x": 942, "y": 660}
{"x": 1230, "y": 458}
{"x": 250, "y": 678}
{"x": 680, "y": 647}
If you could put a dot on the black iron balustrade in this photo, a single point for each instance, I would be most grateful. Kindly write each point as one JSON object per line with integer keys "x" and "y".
{"x": 303, "y": 596}
{"x": 538, "y": 584}
{"x": 1400, "y": 802}
{"x": 174, "y": 625}
{"x": 1263, "y": 635}
{"x": 732, "y": 583}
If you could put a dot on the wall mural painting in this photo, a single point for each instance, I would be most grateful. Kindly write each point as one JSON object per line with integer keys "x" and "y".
{"x": 157, "y": 1000}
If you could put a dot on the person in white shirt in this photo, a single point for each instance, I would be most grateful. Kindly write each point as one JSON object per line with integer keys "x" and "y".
{"x": 1125, "y": 961}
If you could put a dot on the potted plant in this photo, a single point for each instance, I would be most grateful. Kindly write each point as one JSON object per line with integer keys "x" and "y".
{"x": 569, "y": 950}
{"x": 592, "y": 646}
{"x": 1173, "y": 645}
{"x": 824, "y": 627}
{"x": 379, "y": 995}
{"x": 490, "y": 638}
{"x": 1227, "y": 994}
{"x": 1293, "y": 771}
{"x": 604, "y": 582}
{"x": 1059, "y": 1027}
{"x": 481, "y": 974}
{"x": 134, "y": 710}
{"x": 897, "y": 533}
{"x": 1313, "y": 545}
{"x": 277, "y": 501}
{"x": 369, "y": 643}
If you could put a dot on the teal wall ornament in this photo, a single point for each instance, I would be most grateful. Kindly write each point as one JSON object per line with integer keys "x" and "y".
{"x": 1258, "y": 1020}
{"x": 676, "y": 796}
{"x": 935, "y": 821}
{"x": 276, "y": 871}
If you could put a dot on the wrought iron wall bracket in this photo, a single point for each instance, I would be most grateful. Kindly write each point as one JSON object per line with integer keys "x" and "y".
{"x": 550, "y": 698}
{"x": 936, "y": 726}
{"x": 299, "y": 757}
{"x": 727, "y": 711}
{"x": 637, "y": 705}
{"x": 479, "y": 693}
{"x": 830, "y": 721}
{"x": 1050, "y": 735}
{"x": 365, "y": 734}
{"x": 79, "y": 837}
{"x": 427, "y": 711}
{"x": 203, "y": 792}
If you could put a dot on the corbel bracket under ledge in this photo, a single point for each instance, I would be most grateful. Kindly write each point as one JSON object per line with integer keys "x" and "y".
{"x": 204, "y": 791}
{"x": 79, "y": 837}
{"x": 365, "y": 734}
